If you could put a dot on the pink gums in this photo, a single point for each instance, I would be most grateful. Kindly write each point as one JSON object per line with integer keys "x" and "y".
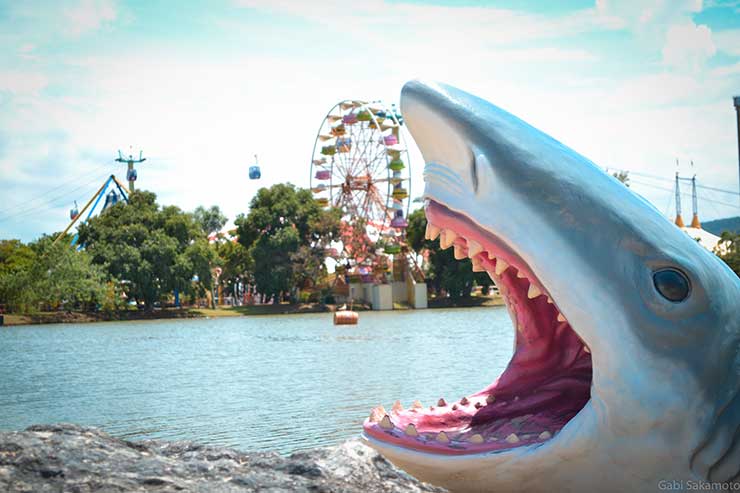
{"x": 546, "y": 383}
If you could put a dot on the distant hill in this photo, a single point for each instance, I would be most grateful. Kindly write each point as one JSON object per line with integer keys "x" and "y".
{"x": 719, "y": 225}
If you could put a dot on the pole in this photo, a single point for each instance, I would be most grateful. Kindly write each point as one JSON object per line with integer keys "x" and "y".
{"x": 679, "y": 220}
{"x": 736, "y": 101}
{"x": 695, "y": 223}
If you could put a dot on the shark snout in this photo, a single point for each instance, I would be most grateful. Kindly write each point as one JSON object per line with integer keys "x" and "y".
{"x": 447, "y": 150}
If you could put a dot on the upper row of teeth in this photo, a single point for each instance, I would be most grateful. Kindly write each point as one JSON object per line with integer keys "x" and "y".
{"x": 472, "y": 248}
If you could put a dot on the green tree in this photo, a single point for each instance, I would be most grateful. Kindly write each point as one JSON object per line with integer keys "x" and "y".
{"x": 14, "y": 255}
{"x": 728, "y": 250}
{"x": 152, "y": 250}
{"x": 63, "y": 276}
{"x": 285, "y": 233}
{"x": 16, "y": 262}
{"x": 235, "y": 262}
{"x": 210, "y": 220}
{"x": 456, "y": 277}
{"x": 48, "y": 274}
{"x": 622, "y": 176}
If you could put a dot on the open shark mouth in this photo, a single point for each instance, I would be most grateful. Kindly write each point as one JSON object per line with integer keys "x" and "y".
{"x": 546, "y": 383}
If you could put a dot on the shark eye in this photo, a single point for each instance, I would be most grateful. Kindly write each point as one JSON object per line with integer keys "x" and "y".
{"x": 672, "y": 284}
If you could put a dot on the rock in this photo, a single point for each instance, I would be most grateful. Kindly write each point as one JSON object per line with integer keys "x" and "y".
{"x": 65, "y": 457}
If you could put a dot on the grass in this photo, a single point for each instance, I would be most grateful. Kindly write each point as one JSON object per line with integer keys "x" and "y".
{"x": 217, "y": 313}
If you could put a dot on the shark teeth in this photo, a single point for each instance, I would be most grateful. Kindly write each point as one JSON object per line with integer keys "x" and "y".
{"x": 386, "y": 423}
{"x": 442, "y": 437}
{"x": 482, "y": 260}
{"x": 432, "y": 232}
{"x": 477, "y": 438}
{"x": 446, "y": 238}
{"x": 533, "y": 292}
{"x": 376, "y": 414}
{"x": 474, "y": 248}
{"x": 459, "y": 252}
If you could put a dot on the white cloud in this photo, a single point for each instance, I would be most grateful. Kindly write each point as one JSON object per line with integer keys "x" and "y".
{"x": 22, "y": 82}
{"x": 647, "y": 15}
{"x": 200, "y": 117}
{"x": 429, "y": 23}
{"x": 89, "y": 15}
{"x": 666, "y": 25}
{"x": 728, "y": 41}
{"x": 688, "y": 46}
{"x": 727, "y": 71}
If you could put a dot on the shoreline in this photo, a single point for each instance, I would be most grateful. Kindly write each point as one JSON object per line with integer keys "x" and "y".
{"x": 62, "y": 317}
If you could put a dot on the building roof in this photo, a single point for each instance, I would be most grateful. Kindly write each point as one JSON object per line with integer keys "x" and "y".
{"x": 703, "y": 237}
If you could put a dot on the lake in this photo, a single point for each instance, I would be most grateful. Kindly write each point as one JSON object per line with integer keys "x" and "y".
{"x": 284, "y": 383}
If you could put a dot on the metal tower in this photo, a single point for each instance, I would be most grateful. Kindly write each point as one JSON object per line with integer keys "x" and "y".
{"x": 131, "y": 174}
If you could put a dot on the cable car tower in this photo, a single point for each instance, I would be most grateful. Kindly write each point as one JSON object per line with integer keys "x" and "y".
{"x": 131, "y": 172}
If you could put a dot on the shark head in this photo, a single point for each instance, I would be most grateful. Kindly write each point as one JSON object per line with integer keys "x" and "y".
{"x": 626, "y": 368}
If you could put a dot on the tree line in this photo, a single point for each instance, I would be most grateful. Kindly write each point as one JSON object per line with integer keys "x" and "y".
{"x": 141, "y": 253}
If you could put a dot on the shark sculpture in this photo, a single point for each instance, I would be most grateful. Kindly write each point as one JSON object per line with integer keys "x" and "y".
{"x": 626, "y": 370}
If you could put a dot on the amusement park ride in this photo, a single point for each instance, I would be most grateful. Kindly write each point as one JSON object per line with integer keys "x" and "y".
{"x": 118, "y": 191}
{"x": 361, "y": 166}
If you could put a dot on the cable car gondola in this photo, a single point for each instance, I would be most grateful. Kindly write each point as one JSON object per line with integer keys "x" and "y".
{"x": 74, "y": 212}
{"x": 254, "y": 171}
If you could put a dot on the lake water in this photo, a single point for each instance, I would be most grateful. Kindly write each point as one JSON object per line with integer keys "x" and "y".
{"x": 283, "y": 383}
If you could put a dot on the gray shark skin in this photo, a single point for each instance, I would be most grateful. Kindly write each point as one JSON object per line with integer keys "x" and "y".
{"x": 664, "y": 409}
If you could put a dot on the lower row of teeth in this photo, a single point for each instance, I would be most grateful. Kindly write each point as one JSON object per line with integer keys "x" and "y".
{"x": 378, "y": 415}
{"x": 469, "y": 248}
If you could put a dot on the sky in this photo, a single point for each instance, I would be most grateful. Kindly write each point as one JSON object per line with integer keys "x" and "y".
{"x": 200, "y": 87}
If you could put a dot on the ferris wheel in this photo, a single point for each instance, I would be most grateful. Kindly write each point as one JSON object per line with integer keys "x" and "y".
{"x": 360, "y": 165}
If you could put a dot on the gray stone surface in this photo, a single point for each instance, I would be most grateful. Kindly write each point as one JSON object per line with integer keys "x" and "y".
{"x": 65, "y": 457}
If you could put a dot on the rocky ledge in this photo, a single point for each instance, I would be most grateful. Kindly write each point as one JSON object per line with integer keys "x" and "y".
{"x": 64, "y": 457}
